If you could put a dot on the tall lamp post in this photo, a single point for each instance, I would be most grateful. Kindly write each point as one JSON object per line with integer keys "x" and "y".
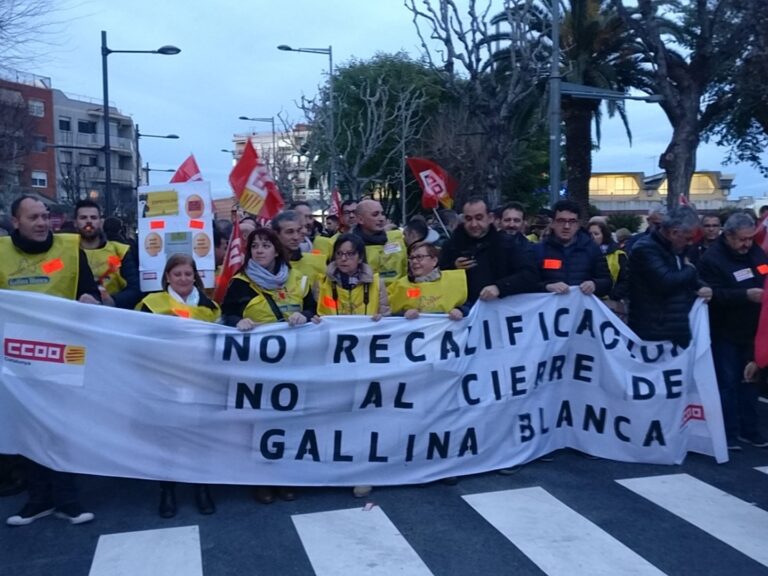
{"x": 147, "y": 170}
{"x": 106, "y": 51}
{"x": 331, "y": 131}
{"x": 137, "y": 135}
{"x": 269, "y": 120}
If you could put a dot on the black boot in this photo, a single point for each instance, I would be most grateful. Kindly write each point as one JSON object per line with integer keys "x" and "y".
{"x": 205, "y": 504}
{"x": 167, "y": 508}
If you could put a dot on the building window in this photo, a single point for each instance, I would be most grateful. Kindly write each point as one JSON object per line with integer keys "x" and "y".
{"x": 39, "y": 143}
{"x": 86, "y": 127}
{"x": 39, "y": 179}
{"x": 36, "y": 108}
{"x": 65, "y": 123}
{"x": 88, "y": 160}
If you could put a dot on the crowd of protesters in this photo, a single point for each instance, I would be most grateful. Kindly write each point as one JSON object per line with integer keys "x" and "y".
{"x": 297, "y": 271}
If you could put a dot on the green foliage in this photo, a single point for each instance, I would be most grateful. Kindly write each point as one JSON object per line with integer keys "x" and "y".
{"x": 631, "y": 222}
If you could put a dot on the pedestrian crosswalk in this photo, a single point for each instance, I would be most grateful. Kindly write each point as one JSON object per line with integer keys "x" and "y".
{"x": 550, "y": 535}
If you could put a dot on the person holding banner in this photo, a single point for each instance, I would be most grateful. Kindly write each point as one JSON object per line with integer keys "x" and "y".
{"x": 183, "y": 295}
{"x": 36, "y": 260}
{"x": 267, "y": 289}
{"x": 114, "y": 264}
{"x": 351, "y": 287}
{"x": 428, "y": 289}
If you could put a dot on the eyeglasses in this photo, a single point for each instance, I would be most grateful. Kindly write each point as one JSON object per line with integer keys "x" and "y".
{"x": 566, "y": 221}
{"x": 418, "y": 257}
{"x": 346, "y": 255}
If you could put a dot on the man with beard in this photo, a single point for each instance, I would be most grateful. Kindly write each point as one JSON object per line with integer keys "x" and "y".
{"x": 34, "y": 259}
{"x": 114, "y": 264}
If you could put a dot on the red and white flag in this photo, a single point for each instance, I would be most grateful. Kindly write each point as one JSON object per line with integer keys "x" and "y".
{"x": 437, "y": 186}
{"x": 233, "y": 260}
{"x": 335, "y": 208}
{"x": 189, "y": 171}
{"x": 254, "y": 188}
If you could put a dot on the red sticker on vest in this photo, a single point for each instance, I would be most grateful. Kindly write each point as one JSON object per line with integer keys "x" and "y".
{"x": 552, "y": 264}
{"x": 52, "y": 266}
{"x": 763, "y": 269}
{"x": 413, "y": 292}
{"x": 156, "y": 225}
{"x": 197, "y": 224}
{"x": 114, "y": 261}
{"x": 180, "y": 312}
{"x": 329, "y": 302}
{"x": 315, "y": 251}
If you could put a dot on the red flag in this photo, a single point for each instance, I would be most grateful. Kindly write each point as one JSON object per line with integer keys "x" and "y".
{"x": 253, "y": 186}
{"x": 437, "y": 186}
{"x": 335, "y": 208}
{"x": 233, "y": 260}
{"x": 761, "y": 234}
{"x": 761, "y": 337}
{"x": 189, "y": 171}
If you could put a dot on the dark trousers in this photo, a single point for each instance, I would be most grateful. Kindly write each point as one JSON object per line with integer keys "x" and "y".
{"x": 738, "y": 398}
{"x": 48, "y": 486}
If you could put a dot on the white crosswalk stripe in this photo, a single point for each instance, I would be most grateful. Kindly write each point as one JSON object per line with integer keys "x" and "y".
{"x": 166, "y": 552}
{"x": 763, "y": 469}
{"x": 357, "y": 541}
{"x": 555, "y": 537}
{"x": 729, "y": 519}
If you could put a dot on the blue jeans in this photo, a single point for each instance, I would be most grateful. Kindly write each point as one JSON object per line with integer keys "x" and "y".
{"x": 738, "y": 398}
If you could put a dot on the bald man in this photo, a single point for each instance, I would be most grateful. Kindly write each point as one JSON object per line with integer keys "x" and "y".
{"x": 384, "y": 251}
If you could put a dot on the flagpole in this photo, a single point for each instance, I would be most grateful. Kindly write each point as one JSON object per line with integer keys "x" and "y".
{"x": 441, "y": 222}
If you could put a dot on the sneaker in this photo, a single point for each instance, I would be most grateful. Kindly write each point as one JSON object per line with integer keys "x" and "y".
{"x": 30, "y": 513}
{"x": 755, "y": 440}
{"x": 733, "y": 447}
{"x": 361, "y": 491}
{"x": 74, "y": 513}
{"x": 508, "y": 471}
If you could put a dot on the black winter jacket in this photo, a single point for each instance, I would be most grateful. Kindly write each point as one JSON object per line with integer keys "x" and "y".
{"x": 662, "y": 291}
{"x": 731, "y": 316}
{"x": 501, "y": 260}
{"x": 579, "y": 261}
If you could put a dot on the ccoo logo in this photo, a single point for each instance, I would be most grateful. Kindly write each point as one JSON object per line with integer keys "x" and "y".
{"x": 35, "y": 350}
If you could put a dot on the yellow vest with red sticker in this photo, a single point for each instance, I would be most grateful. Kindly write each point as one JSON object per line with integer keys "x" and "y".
{"x": 438, "y": 296}
{"x": 361, "y": 300}
{"x": 323, "y": 246}
{"x": 164, "y": 303}
{"x": 288, "y": 299}
{"x": 105, "y": 263}
{"x": 389, "y": 260}
{"x": 54, "y": 272}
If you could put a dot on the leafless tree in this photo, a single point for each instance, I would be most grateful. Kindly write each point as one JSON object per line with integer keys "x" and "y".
{"x": 494, "y": 66}
{"x": 16, "y": 129}
{"x": 28, "y": 28}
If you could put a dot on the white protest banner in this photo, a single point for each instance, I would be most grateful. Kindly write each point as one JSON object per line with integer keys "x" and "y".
{"x": 175, "y": 218}
{"x": 349, "y": 401}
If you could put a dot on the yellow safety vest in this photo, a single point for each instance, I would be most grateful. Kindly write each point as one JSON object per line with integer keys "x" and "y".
{"x": 164, "y": 303}
{"x": 333, "y": 299}
{"x": 105, "y": 263}
{"x": 55, "y": 272}
{"x": 311, "y": 265}
{"x": 442, "y": 295}
{"x": 324, "y": 246}
{"x": 389, "y": 260}
{"x": 288, "y": 299}
{"x": 613, "y": 263}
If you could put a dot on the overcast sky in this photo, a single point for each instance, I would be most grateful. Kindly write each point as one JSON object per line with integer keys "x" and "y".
{"x": 229, "y": 66}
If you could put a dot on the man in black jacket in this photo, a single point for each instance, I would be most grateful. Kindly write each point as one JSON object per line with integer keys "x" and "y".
{"x": 569, "y": 256}
{"x": 663, "y": 283}
{"x": 496, "y": 265}
{"x": 736, "y": 270}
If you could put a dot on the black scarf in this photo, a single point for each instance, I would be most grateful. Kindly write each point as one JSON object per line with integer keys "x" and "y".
{"x": 31, "y": 246}
{"x": 377, "y": 238}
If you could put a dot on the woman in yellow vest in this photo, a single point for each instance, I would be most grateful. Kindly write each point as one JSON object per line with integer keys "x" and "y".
{"x": 182, "y": 296}
{"x": 427, "y": 288}
{"x": 618, "y": 264}
{"x": 350, "y": 287}
{"x": 268, "y": 290}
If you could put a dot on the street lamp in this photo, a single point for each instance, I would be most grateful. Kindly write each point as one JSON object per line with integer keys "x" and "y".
{"x": 106, "y": 51}
{"x": 269, "y": 120}
{"x": 331, "y": 131}
{"x": 137, "y": 135}
{"x": 147, "y": 170}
